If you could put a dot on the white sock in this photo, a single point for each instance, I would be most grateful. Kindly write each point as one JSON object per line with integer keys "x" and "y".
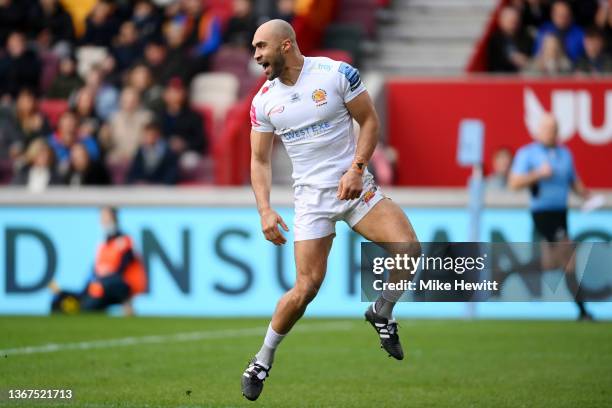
{"x": 268, "y": 348}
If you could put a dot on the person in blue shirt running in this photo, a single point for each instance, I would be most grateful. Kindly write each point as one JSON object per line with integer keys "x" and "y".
{"x": 547, "y": 169}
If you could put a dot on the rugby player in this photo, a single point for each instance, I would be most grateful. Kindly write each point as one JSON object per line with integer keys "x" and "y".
{"x": 310, "y": 103}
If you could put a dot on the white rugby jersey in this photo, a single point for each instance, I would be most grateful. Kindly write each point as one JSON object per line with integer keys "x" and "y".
{"x": 312, "y": 120}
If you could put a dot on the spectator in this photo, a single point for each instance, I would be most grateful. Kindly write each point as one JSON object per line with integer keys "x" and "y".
{"x": 562, "y": 25}
{"x": 13, "y": 17}
{"x": 285, "y": 10}
{"x": 31, "y": 123}
{"x": 242, "y": 25}
{"x": 66, "y": 136}
{"x": 84, "y": 171}
{"x": 126, "y": 127}
{"x": 155, "y": 54}
{"x": 181, "y": 126}
{"x": 38, "y": 170}
{"x": 147, "y": 21}
{"x": 51, "y": 17}
{"x": 101, "y": 25}
{"x": 19, "y": 68}
{"x": 603, "y": 20}
{"x": 509, "y": 46}
{"x": 10, "y": 138}
{"x": 595, "y": 61}
{"x": 118, "y": 273}
{"x": 200, "y": 26}
{"x": 127, "y": 49}
{"x": 67, "y": 81}
{"x": 177, "y": 61}
{"x": 551, "y": 60}
{"x": 150, "y": 93}
{"x": 106, "y": 94}
{"x": 534, "y": 13}
{"x": 85, "y": 109}
{"x": 86, "y": 136}
{"x": 154, "y": 162}
{"x": 502, "y": 161}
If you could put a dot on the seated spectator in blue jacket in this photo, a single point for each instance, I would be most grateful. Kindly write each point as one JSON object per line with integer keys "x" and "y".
{"x": 67, "y": 135}
{"x": 563, "y": 26}
{"x": 154, "y": 162}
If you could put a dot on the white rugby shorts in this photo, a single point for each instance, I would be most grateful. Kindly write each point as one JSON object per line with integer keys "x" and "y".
{"x": 318, "y": 209}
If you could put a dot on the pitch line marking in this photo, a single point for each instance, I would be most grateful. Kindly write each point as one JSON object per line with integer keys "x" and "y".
{"x": 166, "y": 338}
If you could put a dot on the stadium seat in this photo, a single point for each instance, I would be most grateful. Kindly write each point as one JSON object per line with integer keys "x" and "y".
{"x": 50, "y": 68}
{"x": 53, "y": 109}
{"x": 235, "y": 60}
{"x": 219, "y": 90}
{"x": 361, "y": 12}
{"x": 345, "y": 36}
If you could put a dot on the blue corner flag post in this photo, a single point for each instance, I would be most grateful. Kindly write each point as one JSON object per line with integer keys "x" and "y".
{"x": 469, "y": 154}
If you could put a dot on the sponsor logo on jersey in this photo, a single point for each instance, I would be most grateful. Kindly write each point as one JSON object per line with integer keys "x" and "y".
{"x": 324, "y": 67}
{"x": 319, "y": 96}
{"x": 295, "y": 97}
{"x": 351, "y": 74}
{"x": 276, "y": 109}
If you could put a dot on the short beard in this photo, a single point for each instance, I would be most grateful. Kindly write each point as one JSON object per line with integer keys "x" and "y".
{"x": 277, "y": 65}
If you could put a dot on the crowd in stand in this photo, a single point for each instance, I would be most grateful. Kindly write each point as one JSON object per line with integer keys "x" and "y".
{"x": 552, "y": 38}
{"x": 124, "y": 69}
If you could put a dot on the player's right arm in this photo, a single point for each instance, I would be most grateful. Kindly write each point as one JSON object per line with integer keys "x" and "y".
{"x": 261, "y": 181}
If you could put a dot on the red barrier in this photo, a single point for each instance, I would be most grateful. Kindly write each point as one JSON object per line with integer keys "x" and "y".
{"x": 424, "y": 117}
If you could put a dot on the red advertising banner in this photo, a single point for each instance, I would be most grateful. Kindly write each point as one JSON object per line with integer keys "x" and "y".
{"x": 424, "y": 117}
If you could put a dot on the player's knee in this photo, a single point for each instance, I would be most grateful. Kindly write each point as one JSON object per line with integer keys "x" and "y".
{"x": 305, "y": 291}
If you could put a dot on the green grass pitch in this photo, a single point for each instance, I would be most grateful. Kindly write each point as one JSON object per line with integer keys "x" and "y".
{"x": 182, "y": 362}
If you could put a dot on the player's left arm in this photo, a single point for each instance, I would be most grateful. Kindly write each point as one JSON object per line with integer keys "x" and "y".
{"x": 579, "y": 188}
{"x": 361, "y": 108}
{"x": 577, "y": 185}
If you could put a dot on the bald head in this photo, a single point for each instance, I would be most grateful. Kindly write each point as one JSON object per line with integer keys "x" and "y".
{"x": 275, "y": 47}
{"x": 278, "y": 30}
{"x": 547, "y": 134}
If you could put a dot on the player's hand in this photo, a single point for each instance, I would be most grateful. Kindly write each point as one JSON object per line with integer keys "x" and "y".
{"x": 351, "y": 185}
{"x": 270, "y": 220}
{"x": 545, "y": 171}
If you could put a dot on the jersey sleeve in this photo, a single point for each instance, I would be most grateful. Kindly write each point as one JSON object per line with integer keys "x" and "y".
{"x": 259, "y": 121}
{"x": 520, "y": 164}
{"x": 350, "y": 82}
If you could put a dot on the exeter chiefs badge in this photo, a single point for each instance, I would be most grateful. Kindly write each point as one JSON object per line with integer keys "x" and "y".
{"x": 319, "y": 96}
